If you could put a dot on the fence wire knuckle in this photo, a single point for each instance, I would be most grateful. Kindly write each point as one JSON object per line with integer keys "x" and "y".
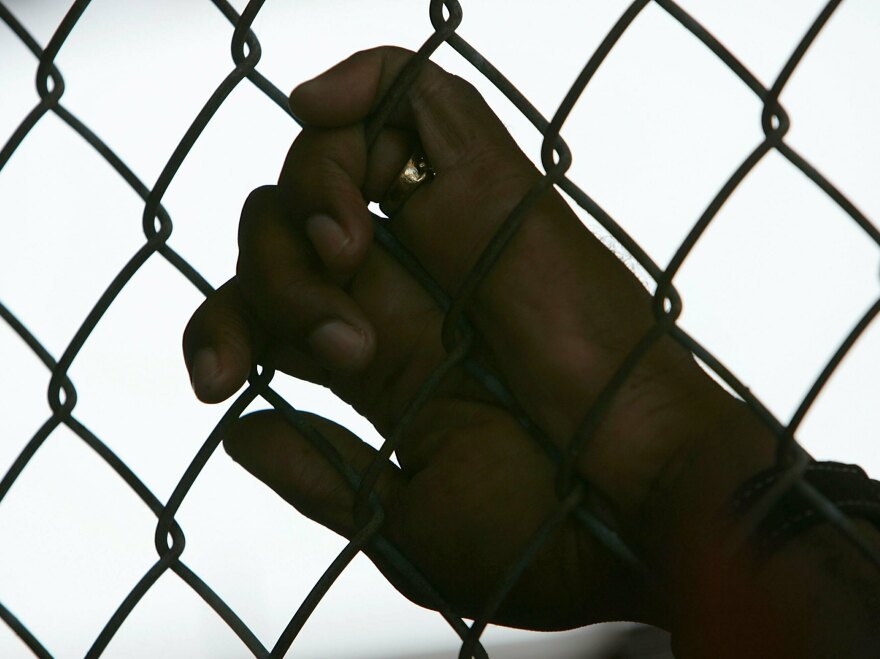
{"x": 458, "y": 335}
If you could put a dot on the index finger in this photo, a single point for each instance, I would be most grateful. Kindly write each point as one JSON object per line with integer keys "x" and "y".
{"x": 349, "y": 92}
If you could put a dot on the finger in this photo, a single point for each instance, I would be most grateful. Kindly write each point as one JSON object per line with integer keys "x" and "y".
{"x": 286, "y": 286}
{"x": 405, "y": 319}
{"x": 219, "y": 344}
{"x": 552, "y": 278}
{"x": 386, "y": 160}
{"x": 450, "y": 131}
{"x": 481, "y": 172}
{"x": 326, "y": 179}
{"x": 271, "y": 449}
{"x": 274, "y": 451}
{"x": 324, "y": 173}
{"x": 222, "y": 341}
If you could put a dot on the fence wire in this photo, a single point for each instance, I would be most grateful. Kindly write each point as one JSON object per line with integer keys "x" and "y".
{"x": 458, "y": 336}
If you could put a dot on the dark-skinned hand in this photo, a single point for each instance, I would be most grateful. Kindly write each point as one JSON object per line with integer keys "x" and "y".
{"x": 315, "y": 297}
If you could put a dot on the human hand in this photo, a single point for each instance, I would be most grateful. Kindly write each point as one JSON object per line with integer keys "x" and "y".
{"x": 555, "y": 317}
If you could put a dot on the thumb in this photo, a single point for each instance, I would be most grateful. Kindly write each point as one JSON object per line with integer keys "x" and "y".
{"x": 271, "y": 449}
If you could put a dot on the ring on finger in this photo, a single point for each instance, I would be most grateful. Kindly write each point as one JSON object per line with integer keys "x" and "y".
{"x": 415, "y": 172}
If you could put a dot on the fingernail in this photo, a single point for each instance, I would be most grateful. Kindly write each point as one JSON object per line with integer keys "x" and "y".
{"x": 327, "y": 236}
{"x": 338, "y": 343}
{"x": 205, "y": 369}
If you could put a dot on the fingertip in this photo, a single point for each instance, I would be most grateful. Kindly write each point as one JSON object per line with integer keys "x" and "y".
{"x": 342, "y": 346}
{"x": 341, "y": 246}
{"x": 219, "y": 345}
{"x": 302, "y": 98}
{"x": 328, "y": 237}
{"x": 343, "y": 94}
{"x": 204, "y": 373}
{"x": 317, "y": 102}
{"x": 217, "y": 374}
{"x": 274, "y": 449}
{"x": 234, "y": 440}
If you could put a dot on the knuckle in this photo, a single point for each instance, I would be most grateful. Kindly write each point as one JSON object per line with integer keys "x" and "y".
{"x": 286, "y": 295}
{"x": 502, "y": 178}
{"x": 390, "y": 54}
{"x": 432, "y": 91}
{"x": 321, "y": 164}
{"x": 456, "y": 115}
{"x": 300, "y": 150}
{"x": 258, "y": 199}
{"x": 465, "y": 88}
{"x": 293, "y": 293}
{"x": 255, "y": 207}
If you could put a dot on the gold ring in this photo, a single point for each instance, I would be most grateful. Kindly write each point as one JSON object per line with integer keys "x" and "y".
{"x": 416, "y": 172}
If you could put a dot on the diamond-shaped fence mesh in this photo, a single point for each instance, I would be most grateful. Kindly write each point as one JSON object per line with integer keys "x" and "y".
{"x": 458, "y": 337}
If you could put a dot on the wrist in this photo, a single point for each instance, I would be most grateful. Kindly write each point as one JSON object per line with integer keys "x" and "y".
{"x": 687, "y": 497}
{"x": 723, "y": 604}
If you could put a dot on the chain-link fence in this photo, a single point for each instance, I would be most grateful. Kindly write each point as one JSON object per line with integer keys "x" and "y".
{"x": 458, "y": 336}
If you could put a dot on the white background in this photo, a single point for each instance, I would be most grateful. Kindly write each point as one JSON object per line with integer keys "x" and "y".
{"x": 776, "y": 283}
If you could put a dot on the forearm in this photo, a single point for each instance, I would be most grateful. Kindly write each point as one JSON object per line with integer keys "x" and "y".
{"x": 817, "y": 596}
{"x": 814, "y": 599}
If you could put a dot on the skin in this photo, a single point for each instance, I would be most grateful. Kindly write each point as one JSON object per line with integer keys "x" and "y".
{"x": 555, "y": 317}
